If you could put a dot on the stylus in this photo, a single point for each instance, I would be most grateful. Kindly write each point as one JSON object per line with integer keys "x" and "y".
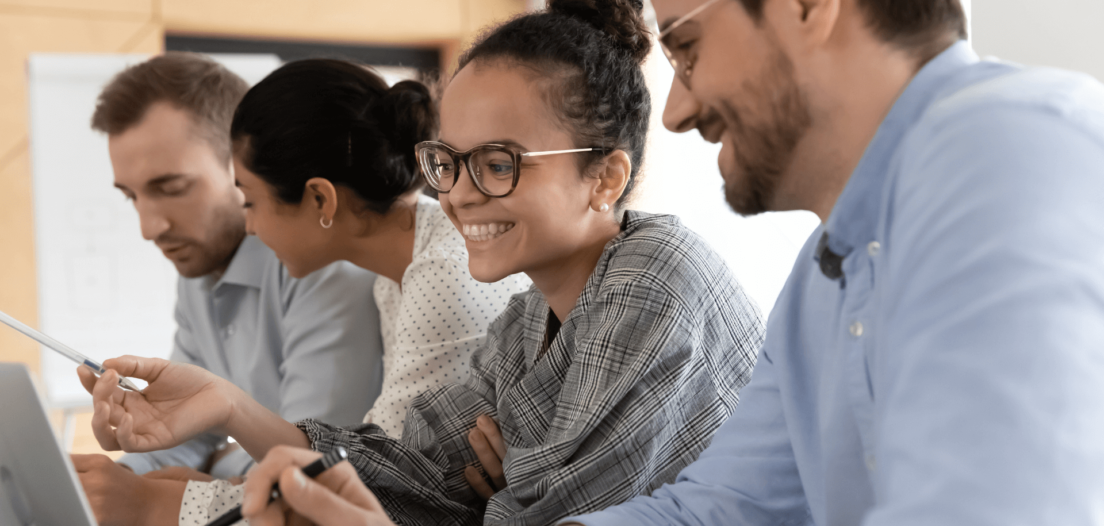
{"x": 62, "y": 349}
{"x": 312, "y": 470}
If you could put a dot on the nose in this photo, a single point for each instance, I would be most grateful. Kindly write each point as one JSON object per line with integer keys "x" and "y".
{"x": 464, "y": 193}
{"x": 153, "y": 222}
{"x": 680, "y": 115}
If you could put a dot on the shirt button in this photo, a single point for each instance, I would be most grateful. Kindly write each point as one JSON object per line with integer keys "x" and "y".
{"x": 857, "y": 329}
{"x": 873, "y": 248}
{"x": 871, "y": 462}
{"x": 229, "y": 331}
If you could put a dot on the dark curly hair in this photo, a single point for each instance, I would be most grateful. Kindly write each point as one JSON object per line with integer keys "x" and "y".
{"x": 586, "y": 56}
{"x": 338, "y": 121}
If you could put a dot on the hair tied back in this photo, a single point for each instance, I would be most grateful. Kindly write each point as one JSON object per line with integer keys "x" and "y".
{"x": 622, "y": 20}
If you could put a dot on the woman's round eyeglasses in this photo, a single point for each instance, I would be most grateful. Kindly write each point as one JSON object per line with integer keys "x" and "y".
{"x": 494, "y": 168}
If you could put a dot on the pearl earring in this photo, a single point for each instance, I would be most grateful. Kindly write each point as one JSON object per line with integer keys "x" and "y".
{"x": 322, "y": 221}
{"x": 603, "y": 208}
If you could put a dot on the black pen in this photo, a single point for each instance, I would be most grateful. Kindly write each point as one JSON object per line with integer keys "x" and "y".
{"x": 313, "y": 470}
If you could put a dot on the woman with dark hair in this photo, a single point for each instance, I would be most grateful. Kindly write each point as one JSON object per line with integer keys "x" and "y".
{"x": 606, "y": 378}
{"x": 324, "y": 155}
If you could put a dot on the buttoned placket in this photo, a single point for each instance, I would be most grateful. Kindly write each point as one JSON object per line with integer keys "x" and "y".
{"x": 858, "y": 315}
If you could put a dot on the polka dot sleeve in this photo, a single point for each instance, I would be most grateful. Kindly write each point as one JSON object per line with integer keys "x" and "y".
{"x": 206, "y": 501}
{"x": 440, "y": 318}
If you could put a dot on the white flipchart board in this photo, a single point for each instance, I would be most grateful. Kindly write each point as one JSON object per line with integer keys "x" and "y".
{"x": 102, "y": 289}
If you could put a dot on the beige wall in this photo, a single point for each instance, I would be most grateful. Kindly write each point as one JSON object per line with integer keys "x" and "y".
{"x": 139, "y": 26}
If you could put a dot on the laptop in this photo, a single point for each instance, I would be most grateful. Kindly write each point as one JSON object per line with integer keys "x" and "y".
{"x": 38, "y": 486}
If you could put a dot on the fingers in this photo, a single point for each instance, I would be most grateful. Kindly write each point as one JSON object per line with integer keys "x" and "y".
{"x": 147, "y": 369}
{"x": 478, "y": 483}
{"x": 267, "y": 473}
{"x": 490, "y": 460}
{"x": 106, "y": 388}
{"x": 274, "y": 514}
{"x": 337, "y": 497}
{"x": 87, "y": 377}
{"x": 86, "y": 463}
{"x": 323, "y": 506}
{"x": 101, "y": 427}
{"x": 490, "y": 430}
{"x": 344, "y": 480}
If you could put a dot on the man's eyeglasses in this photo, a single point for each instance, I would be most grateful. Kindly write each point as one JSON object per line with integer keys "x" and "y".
{"x": 494, "y": 168}
{"x": 678, "y": 53}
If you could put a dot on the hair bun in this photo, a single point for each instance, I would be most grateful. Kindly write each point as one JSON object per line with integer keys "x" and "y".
{"x": 408, "y": 109}
{"x": 621, "y": 19}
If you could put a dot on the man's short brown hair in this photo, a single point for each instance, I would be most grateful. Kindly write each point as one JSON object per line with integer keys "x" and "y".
{"x": 923, "y": 27}
{"x": 187, "y": 81}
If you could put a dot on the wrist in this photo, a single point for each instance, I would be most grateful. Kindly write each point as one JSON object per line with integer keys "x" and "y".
{"x": 160, "y": 501}
{"x": 238, "y": 405}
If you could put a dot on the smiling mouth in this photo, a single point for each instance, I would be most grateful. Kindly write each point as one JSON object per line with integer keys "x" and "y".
{"x": 711, "y": 127}
{"x": 485, "y": 232}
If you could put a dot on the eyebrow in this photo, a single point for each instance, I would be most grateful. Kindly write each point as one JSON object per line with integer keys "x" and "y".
{"x": 157, "y": 181}
{"x": 503, "y": 142}
{"x": 164, "y": 179}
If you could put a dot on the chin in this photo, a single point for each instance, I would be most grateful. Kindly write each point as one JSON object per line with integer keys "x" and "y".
{"x": 192, "y": 269}
{"x": 484, "y": 273}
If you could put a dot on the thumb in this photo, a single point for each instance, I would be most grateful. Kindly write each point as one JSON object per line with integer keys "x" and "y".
{"x": 322, "y": 506}
{"x": 147, "y": 369}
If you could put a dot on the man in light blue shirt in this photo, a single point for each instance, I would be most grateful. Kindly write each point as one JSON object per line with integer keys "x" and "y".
{"x": 937, "y": 355}
{"x": 304, "y": 348}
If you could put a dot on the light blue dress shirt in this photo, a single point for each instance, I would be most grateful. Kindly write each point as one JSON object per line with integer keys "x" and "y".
{"x": 955, "y": 374}
{"x": 303, "y": 348}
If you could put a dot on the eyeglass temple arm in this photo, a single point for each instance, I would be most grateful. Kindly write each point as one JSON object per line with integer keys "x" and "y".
{"x": 684, "y": 18}
{"x": 539, "y": 154}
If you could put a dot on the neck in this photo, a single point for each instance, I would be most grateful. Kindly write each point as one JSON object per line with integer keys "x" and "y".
{"x": 219, "y": 271}
{"x": 563, "y": 280}
{"x": 389, "y": 248}
{"x": 862, "y": 84}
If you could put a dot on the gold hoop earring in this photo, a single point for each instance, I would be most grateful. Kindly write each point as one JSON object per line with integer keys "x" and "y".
{"x": 322, "y": 221}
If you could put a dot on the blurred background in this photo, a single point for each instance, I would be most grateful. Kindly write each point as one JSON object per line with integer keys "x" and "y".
{"x": 72, "y": 261}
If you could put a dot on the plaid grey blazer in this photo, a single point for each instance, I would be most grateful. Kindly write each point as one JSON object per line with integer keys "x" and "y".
{"x": 641, "y": 374}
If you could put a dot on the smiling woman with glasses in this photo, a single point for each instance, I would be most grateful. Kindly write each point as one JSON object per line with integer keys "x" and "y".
{"x": 608, "y": 376}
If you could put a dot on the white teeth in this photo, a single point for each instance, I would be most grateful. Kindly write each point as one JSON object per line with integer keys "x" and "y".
{"x": 485, "y": 232}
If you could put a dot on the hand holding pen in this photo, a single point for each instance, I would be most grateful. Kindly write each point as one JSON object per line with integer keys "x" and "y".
{"x": 335, "y": 498}
{"x": 312, "y": 470}
{"x": 180, "y": 402}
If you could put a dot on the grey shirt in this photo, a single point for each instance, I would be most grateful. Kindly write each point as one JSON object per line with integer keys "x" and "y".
{"x": 303, "y": 348}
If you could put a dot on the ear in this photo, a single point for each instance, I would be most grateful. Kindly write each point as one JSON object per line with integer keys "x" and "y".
{"x": 613, "y": 177}
{"x": 320, "y": 195}
{"x": 810, "y": 22}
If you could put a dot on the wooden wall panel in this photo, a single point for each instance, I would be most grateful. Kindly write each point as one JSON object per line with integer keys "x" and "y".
{"x": 80, "y": 8}
{"x": 374, "y": 21}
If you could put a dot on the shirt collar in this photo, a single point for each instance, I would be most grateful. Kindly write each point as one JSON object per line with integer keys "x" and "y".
{"x": 248, "y": 264}
{"x": 855, "y": 214}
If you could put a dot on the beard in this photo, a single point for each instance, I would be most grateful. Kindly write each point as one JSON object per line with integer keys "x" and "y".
{"x": 764, "y": 121}
{"x": 214, "y": 253}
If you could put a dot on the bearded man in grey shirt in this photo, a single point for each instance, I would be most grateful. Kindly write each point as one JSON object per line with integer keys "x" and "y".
{"x": 301, "y": 347}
